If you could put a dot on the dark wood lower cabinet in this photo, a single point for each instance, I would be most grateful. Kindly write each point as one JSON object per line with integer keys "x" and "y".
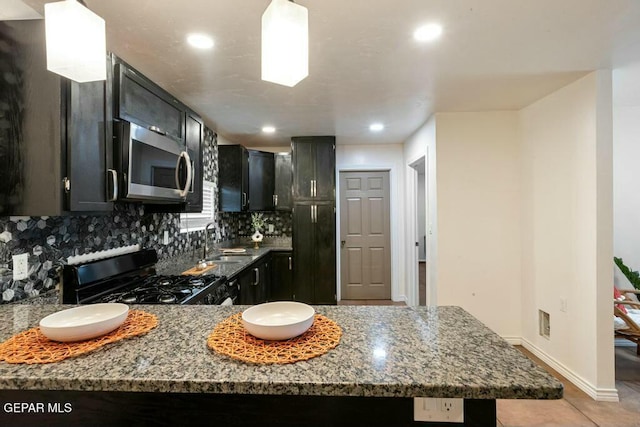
{"x": 75, "y": 408}
{"x": 314, "y": 270}
{"x": 254, "y": 283}
{"x": 281, "y": 286}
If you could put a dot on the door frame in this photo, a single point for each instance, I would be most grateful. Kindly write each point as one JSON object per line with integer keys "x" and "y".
{"x": 393, "y": 234}
{"x": 413, "y": 256}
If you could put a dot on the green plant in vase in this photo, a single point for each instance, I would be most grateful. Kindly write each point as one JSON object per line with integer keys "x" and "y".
{"x": 258, "y": 223}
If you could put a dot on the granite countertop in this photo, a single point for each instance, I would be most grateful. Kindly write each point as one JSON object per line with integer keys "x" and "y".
{"x": 384, "y": 351}
{"x": 176, "y": 265}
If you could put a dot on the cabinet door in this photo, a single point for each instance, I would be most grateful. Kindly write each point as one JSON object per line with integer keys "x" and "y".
{"x": 284, "y": 179}
{"x": 254, "y": 283}
{"x": 194, "y": 135}
{"x": 141, "y": 101}
{"x": 304, "y": 249}
{"x": 325, "y": 166}
{"x": 303, "y": 168}
{"x": 325, "y": 254}
{"x": 247, "y": 288}
{"x": 281, "y": 286}
{"x": 88, "y": 155}
{"x": 233, "y": 178}
{"x": 261, "y": 180}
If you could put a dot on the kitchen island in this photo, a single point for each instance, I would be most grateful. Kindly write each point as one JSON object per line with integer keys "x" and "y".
{"x": 386, "y": 357}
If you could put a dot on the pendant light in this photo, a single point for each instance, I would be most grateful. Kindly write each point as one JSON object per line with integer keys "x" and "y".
{"x": 76, "y": 47}
{"x": 285, "y": 43}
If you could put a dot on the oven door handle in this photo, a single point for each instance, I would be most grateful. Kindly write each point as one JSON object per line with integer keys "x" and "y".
{"x": 187, "y": 185}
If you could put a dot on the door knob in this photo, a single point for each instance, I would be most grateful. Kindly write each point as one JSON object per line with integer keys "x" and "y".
{"x": 342, "y": 243}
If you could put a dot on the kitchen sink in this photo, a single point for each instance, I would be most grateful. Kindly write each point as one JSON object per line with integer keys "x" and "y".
{"x": 230, "y": 259}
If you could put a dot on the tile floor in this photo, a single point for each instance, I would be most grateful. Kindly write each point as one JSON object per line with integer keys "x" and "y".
{"x": 576, "y": 409}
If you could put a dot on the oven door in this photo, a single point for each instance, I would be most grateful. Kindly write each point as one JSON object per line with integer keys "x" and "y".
{"x": 154, "y": 166}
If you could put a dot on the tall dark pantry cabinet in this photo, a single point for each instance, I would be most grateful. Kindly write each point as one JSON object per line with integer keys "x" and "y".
{"x": 314, "y": 219}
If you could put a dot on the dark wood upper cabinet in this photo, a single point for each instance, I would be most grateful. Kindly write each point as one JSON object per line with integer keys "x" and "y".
{"x": 284, "y": 180}
{"x": 261, "y": 181}
{"x": 314, "y": 168}
{"x": 56, "y": 147}
{"x": 194, "y": 137}
{"x": 233, "y": 178}
{"x": 141, "y": 101}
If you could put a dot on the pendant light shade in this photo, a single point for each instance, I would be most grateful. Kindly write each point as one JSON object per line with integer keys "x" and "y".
{"x": 76, "y": 46}
{"x": 285, "y": 43}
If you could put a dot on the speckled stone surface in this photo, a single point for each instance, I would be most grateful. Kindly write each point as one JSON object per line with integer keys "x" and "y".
{"x": 178, "y": 264}
{"x": 384, "y": 351}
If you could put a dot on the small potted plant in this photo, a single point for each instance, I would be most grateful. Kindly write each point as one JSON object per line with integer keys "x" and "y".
{"x": 258, "y": 223}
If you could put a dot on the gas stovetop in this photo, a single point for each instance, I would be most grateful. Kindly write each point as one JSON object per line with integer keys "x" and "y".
{"x": 132, "y": 279}
{"x": 157, "y": 289}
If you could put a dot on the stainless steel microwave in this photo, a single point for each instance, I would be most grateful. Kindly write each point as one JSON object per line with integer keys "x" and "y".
{"x": 151, "y": 166}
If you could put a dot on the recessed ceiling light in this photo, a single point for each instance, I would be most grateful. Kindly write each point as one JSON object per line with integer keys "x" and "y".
{"x": 201, "y": 41}
{"x": 428, "y": 32}
{"x": 376, "y": 127}
{"x": 268, "y": 129}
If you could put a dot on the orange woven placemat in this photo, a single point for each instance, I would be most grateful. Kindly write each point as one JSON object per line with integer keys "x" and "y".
{"x": 231, "y": 339}
{"x": 32, "y": 347}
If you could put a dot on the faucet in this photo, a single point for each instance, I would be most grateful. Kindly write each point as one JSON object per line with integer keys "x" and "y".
{"x": 206, "y": 239}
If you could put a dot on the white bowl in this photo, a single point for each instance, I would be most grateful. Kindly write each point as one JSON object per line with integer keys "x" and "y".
{"x": 83, "y": 323}
{"x": 278, "y": 320}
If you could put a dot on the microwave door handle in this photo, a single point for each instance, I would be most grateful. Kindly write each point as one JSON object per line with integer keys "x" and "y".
{"x": 187, "y": 185}
{"x": 114, "y": 186}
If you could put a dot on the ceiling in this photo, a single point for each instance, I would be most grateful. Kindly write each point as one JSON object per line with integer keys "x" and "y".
{"x": 364, "y": 64}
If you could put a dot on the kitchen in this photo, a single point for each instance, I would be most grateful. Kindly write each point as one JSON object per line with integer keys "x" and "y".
{"x": 82, "y": 234}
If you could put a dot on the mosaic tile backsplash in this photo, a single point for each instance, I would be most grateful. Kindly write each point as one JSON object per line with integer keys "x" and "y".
{"x": 49, "y": 241}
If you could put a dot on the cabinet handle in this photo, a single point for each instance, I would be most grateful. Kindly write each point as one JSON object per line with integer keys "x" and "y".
{"x": 114, "y": 185}
{"x": 187, "y": 185}
{"x": 315, "y": 191}
{"x": 157, "y": 130}
{"x": 312, "y": 214}
{"x": 256, "y": 271}
{"x": 290, "y": 266}
{"x": 244, "y": 199}
{"x": 275, "y": 200}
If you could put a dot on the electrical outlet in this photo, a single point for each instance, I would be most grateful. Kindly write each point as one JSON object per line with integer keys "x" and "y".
{"x": 438, "y": 410}
{"x": 20, "y": 266}
{"x": 166, "y": 238}
{"x": 271, "y": 228}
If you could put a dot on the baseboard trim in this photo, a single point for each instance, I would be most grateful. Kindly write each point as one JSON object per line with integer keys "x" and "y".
{"x": 513, "y": 340}
{"x": 599, "y": 394}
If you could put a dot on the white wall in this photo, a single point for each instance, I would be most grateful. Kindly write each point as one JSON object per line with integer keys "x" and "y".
{"x": 421, "y": 145}
{"x": 380, "y": 157}
{"x": 478, "y": 184}
{"x": 626, "y": 161}
{"x": 567, "y": 230}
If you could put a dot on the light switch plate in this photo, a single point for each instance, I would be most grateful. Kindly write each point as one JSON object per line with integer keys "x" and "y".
{"x": 270, "y": 228}
{"x": 166, "y": 238}
{"x": 20, "y": 266}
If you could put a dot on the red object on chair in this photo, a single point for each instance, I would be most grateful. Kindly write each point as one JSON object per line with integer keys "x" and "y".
{"x": 618, "y": 296}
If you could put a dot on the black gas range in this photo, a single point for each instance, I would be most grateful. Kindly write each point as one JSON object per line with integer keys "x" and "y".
{"x": 131, "y": 279}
